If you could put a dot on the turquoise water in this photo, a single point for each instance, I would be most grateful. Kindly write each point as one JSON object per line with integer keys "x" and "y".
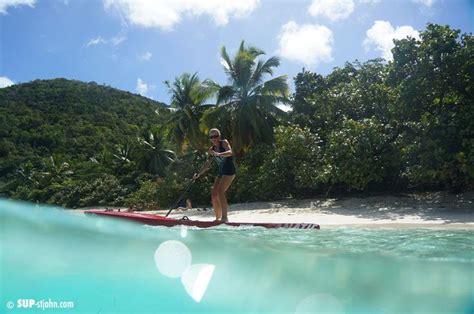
{"x": 110, "y": 266}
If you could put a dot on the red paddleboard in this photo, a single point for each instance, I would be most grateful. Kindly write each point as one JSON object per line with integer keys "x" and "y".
{"x": 157, "y": 220}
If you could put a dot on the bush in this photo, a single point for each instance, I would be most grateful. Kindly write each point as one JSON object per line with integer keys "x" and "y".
{"x": 247, "y": 184}
{"x": 294, "y": 167}
{"x": 101, "y": 191}
{"x": 146, "y": 197}
{"x": 358, "y": 154}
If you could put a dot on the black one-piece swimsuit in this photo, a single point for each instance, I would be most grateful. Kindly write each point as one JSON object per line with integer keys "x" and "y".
{"x": 225, "y": 164}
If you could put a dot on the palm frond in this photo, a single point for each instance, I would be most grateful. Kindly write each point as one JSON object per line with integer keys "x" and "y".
{"x": 209, "y": 89}
{"x": 218, "y": 117}
{"x": 262, "y": 68}
{"x": 277, "y": 86}
{"x": 226, "y": 93}
{"x": 225, "y": 61}
{"x": 254, "y": 51}
{"x": 271, "y": 63}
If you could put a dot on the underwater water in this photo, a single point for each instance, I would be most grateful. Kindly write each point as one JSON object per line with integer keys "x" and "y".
{"x": 53, "y": 261}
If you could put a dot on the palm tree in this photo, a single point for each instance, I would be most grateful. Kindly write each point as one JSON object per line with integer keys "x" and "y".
{"x": 153, "y": 156}
{"x": 246, "y": 108}
{"x": 55, "y": 168}
{"x": 188, "y": 101}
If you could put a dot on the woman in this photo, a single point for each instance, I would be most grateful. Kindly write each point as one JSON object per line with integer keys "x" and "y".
{"x": 184, "y": 204}
{"x": 222, "y": 153}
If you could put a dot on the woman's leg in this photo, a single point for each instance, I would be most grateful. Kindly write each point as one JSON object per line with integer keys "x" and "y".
{"x": 225, "y": 183}
{"x": 215, "y": 198}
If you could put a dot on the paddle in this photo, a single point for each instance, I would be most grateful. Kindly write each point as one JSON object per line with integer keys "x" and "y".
{"x": 181, "y": 196}
{"x": 195, "y": 177}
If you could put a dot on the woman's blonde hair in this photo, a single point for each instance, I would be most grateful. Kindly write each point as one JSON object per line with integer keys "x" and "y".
{"x": 215, "y": 130}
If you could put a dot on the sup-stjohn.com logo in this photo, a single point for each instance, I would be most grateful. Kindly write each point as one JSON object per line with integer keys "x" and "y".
{"x": 39, "y": 304}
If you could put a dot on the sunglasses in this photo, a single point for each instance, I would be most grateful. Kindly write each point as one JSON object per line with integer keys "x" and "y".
{"x": 213, "y": 136}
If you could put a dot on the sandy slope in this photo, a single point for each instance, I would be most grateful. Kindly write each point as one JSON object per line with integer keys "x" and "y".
{"x": 437, "y": 210}
{"x": 414, "y": 210}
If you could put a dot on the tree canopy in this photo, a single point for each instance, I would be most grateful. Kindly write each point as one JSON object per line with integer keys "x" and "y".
{"x": 373, "y": 126}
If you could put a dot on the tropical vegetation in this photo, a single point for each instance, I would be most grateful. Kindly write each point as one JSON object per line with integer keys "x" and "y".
{"x": 374, "y": 127}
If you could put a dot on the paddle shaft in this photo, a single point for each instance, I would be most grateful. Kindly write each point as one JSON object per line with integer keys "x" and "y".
{"x": 184, "y": 192}
{"x": 181, "y": 197}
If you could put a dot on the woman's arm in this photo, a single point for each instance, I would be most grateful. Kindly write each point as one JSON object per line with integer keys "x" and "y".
{"x": 204, "y": 168}
{"x": 228, "y": 150}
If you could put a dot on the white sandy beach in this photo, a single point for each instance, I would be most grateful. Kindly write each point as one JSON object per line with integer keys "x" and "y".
{"x": 437, "y": 210}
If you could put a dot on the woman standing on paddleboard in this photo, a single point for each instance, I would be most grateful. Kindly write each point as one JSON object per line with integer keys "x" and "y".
{"x": 222, "y": 153}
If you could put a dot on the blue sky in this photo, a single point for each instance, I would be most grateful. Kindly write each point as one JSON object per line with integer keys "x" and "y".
{"x": 136, "y": 45}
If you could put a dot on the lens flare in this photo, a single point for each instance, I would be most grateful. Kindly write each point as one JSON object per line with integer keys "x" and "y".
{"x": 172, "y": 258}
{"x": 196, "y": 278}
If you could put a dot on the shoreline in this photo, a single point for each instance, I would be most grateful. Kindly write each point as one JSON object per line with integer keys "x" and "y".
{"x": 438, "y": 210}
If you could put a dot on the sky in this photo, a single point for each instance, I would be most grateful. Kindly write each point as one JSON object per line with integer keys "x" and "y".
{"x": 136, "y": 45}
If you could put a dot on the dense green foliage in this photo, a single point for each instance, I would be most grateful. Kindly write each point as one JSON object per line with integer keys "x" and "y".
{"x": 401, "y": 124}
{"x": 373, "y": 126}
{"x": 75, "y": 144}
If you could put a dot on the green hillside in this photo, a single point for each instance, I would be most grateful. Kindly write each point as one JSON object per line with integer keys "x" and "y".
{"x": 68, "y": 117}
{"x": 51, "y": 125}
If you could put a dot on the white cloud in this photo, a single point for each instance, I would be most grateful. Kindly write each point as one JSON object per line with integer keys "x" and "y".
{"x": 370, "y": 1}
{"x": 142, "y": 87}
{"x": 4, "y": 4}
{"x": 114, "y": 41}
{"x": 426, "y": 3}
{"x": 5, "y": 82}
{"x": 332, "y": 9}
{"x": 96, "y": 41}
{"x": 146, "y": 56}
{"x": 309, "y": 44}
{"x": 165, "y": 14}
{"x": 382, "y": 34}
